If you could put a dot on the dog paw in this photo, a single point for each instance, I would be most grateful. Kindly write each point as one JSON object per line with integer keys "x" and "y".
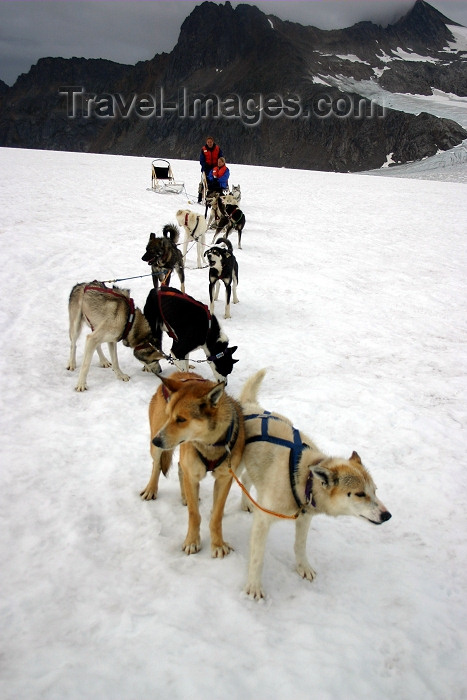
{"x": 306, "y": 571}
{"x": 105, "y": 364}
{"x": 148, "y": 494}
{"x": 221, "y": 551}
{"x": 80, "y": 387}
{"x": 71, "y": 367}
{"x": 254, "y": 591}
{"x": 124, "y": 377}
{"x": 191, "y": 547}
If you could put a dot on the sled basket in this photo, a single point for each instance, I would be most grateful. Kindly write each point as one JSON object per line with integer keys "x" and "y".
{"x": 162, "y": 178}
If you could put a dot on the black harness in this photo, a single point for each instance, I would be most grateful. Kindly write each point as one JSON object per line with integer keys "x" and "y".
{"x": 228, "y": 441}
{"x": 296, "y": 447}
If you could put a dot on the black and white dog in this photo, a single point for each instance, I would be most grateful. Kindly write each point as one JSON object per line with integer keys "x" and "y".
{"x": 190, "y": 325}
{"x": 231, "y": 217}
{"x": 222, "y": 266}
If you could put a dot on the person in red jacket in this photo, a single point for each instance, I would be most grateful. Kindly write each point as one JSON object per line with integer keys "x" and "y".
{"x": 218, "y": 178}
{"x": 210, "y": 154}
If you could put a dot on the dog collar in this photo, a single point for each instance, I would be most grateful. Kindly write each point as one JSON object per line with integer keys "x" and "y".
{"x": 228, "y": 441}
{"x": 310, "y": 499}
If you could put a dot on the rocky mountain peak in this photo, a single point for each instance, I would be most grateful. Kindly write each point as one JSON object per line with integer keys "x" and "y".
{"x": 423, "y": 28}
{"x": 243, "y": 52}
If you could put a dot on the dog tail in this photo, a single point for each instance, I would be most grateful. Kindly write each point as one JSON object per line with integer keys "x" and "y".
{"x": 166, "y": 461}
{"x": 226, "y": 242}
{"x": 171, "y": 231}
{"x": 250, "y": 389}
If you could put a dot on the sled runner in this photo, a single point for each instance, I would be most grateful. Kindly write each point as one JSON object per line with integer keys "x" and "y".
{"x": 162, "y": 178}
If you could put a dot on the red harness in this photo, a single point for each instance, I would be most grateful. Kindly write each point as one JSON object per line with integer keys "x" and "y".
{"x": 197, "y": 224}
{"x": 129, "y": 301}
{"x": 168, "y": 292}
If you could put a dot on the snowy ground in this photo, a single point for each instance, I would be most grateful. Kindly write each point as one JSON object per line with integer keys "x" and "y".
{"x": 353, "y": 293}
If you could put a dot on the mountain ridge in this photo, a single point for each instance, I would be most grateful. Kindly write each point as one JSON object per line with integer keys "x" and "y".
{"x": 260, "y": 56}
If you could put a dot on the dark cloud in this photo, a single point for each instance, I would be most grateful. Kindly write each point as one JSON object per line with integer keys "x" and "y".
{"x": 128, "y": 32}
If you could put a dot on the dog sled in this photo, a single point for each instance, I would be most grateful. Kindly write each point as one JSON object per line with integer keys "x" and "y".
{"x": 162, "y": 178}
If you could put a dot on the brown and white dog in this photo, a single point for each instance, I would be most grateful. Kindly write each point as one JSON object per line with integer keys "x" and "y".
{"x": 293, "y": 478}
{"x": 195, "y": 226}
{"x": 207, "y": 423}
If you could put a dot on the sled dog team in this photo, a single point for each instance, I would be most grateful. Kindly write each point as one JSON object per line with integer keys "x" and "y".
{"x": 290, "y": 476}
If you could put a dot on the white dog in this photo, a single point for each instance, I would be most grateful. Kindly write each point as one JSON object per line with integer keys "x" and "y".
{"x": 294, "y": 479}
{"x": 195, "y": 226}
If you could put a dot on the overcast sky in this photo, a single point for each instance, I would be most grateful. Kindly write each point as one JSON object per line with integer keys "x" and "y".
{"x": 128, "y": 32}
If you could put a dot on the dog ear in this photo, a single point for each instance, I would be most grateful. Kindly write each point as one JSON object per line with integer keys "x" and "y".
{"x": 152, "y": 236}
{"x": 215, "y": 394}
{"x": 170, "y": 384}
{"x": 232, "y": 350}
{"x": 355, "y": 458}
{"x": 323, "y": 474}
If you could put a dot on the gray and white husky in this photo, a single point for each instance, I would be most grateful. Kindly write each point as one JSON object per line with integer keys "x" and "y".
{"x": 112, "y": 316}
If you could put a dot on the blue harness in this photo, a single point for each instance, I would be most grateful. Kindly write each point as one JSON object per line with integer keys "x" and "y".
{"x": 296, "y": 448}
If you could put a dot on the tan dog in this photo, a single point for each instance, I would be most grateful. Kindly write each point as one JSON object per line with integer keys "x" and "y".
{"x": 195, "y": 226}
{"x": 294, "y": 478}
{"x": 198, "y": 415}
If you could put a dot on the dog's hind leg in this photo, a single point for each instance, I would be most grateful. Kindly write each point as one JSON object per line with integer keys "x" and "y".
{"x": 115, "y": 366}
{"x": 103, "y": 361}
{"x": 92, "y": 342}
{"x": 234, "y": 289}
{"x": 212, "y": 295}
{"x": 258, "y": 537}
{"x": 302, "y": 525}
{"x": 240, "y": 238}
{"x": 76, "y": 318}
{"x": 222, "y": 484}
{"x": 76, "y": 323}
{"x": 228, "y": 290}
{"x": 181, "y": 276}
